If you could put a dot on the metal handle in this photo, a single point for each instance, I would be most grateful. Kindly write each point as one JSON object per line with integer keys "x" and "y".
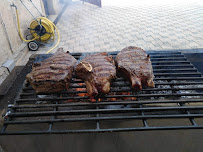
{"x": 36, "y": 8}
{"x": 31, "y": 13}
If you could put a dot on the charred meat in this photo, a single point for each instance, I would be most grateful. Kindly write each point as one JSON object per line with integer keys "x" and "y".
{"x": 134, "y": 64}
{"x": 97, "y": 70}
{"x": 53, "y": 74}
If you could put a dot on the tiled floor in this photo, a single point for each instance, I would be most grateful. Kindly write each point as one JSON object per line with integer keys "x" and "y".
{"x": 89, "y": 28}
{"x": 85, "y": 27}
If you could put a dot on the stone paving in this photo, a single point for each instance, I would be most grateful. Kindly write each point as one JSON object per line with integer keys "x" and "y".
{"x": 85, "y": 27}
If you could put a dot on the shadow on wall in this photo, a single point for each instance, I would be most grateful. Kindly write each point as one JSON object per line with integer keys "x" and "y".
{"x": 53, "y": 7}
{"x": 95, "y": 2}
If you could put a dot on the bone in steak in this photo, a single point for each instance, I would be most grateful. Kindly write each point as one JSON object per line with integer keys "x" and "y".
{"x": 97, "y": 70}
{"x": 53, "y": 74}
{"x": 135, "y": 65}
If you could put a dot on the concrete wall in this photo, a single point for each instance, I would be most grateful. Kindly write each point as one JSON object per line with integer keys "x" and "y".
{"x": 11, "y": 46}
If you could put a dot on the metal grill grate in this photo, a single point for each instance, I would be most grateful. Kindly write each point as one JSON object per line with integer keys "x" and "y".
{"x": 175, "y": 103}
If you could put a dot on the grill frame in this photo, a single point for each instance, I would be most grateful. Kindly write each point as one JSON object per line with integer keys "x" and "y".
{"x": 158, "y": 59}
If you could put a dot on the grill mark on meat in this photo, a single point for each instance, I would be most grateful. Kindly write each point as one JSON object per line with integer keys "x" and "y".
{"x": 53, "y": 74}
{"x": 103, "y": 68}
{"x": 64, "y": 58}
{"x": 48, "y": 71}
{"x": 130, "y": 64}
{"x": 98, "y": 64}
{"x": 59, "y": 66}
{"x": 59, "y": 62}
{"x": 103, "y": 74}
{"x": 97, "y": 71}
{"x": 142, "y": 58}
{"x": 49, "y": 77}
{"x": 134, "y": 64}
{"x": 93, "y": 60}
{"x": 46, "y": 66}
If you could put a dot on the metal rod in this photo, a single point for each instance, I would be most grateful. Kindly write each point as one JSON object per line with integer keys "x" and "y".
{"x": 115, "y": 90}
{"x": 178, "y": 74}
{"x": 180, "y": 116}
{"x": 97, "y": 115}
{"x": 31, "y": 13}
{"x": 36, "y": 8}
{"x": 172, "y": 70}
{"x": 169, "y": 59}
{"x": 102, "y": 130}
{"x": 170, "y": 62}
{"x": 166, "y": 56}
{"x": 191, "y": 119}
{"x": 108, "y": 96}
{"x": 171, "y": 78}
{"x": 159, "y": 53}
{"x": 94, "y": 111}
{"x": 28, "y": 10}
{"x": 53, "y": 118}
{"x": 164, "y": 53}
{"x": 126, "y": 84}
{"x": 144, "y": 119}
{"x": 117, "y": 102}
{"x": 156, "y": 83}
{"x": 153, "y": 95}
{"x": 180, "y": 78}
{"x": 172, "y": 66}
{"x": 187, "y": 112}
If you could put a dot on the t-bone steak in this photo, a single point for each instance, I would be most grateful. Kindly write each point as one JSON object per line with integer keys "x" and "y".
{"x": 97, "y": 70}
{"x": 134, "y": 64}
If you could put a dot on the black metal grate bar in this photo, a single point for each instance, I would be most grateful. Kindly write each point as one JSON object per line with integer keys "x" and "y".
{"x": 115, "y": 90}
{"x": 94, "y": 111}
{"x": 142, "y": 117}
{"x": 177, "y": 96}
{"x": 108, "y": 96}
{"x": 97, "y": 116}
{"x": 102, "y": 130}
{"x": 117, "y": 102}
{"x": 52, "y": 118}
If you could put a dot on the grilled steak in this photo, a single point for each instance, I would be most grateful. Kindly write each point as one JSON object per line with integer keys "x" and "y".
{"x": 97, "y": 70}
{"x": 135, "y": 65}
{"x": 53, "y": 74}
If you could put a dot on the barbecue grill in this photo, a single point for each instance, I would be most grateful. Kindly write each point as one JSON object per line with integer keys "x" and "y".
{"x": 174, "y": 103}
